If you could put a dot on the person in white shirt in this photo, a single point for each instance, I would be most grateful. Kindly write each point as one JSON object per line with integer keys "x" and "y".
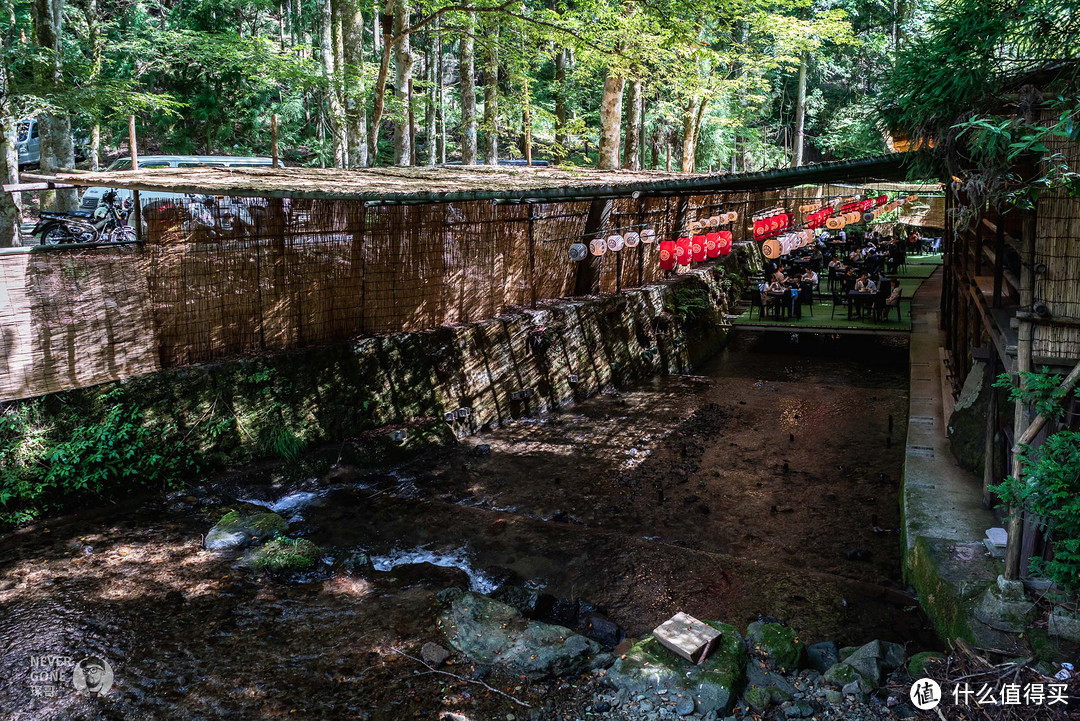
{"x": 810, "y": 277}
{"x": 865, "y": 285}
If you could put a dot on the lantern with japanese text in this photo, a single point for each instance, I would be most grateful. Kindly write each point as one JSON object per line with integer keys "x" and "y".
{"x": 615, "y": 243}
{"x": 724, "y": 242}
{"x": 697, "y": 247}
{"x": 648, "y": 235}
{"x": 683, "y": 251}
{"x": 711, "y": 251}
{"x": 771, "y": 248}
{"x": 597, "y": 246}
{"x": 667, "y": 254}
{"x": 632, "y": 238}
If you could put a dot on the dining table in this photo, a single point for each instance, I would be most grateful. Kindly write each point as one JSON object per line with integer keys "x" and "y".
{"x": 860, "y": 298}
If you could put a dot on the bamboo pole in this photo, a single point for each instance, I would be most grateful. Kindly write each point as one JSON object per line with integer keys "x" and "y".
{"x": 1022, "y": 414}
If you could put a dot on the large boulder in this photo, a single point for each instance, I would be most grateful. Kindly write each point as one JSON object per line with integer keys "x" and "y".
{"x": 869, "y": 662}
{"x": 967, "y": 424}
{"x": 714, "y": 685}
{"x": 777, "y": 644}
{"x": 822, "y": 656}
{"x": 492, "y": 633}
{"x": 238, "y": 529}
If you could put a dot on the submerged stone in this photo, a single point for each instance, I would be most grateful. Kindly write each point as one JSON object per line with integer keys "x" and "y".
{"x": 285, "y": 554}
{"x": 714, "y": 685}
{"x": 492, "y": 633}
{"x": 237, "y": 529}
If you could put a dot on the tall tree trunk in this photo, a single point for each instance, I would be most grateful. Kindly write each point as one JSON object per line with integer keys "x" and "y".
{"x": 57, "y": 148}
{"x": 431, "y": 120}
{"x": 340, "y": 7}
{"x": 468, "y": 92}
{"x": 352, "y": 31}
{"x": 631, "y": 147}
{"x": 441, "y": 90}
{"x": 335, "y": 114}
{"x": 561, "y": 115}
{"x": 800, "y": 112}
{"x": 96, "y": 47}
{"x": 527, "y": 117}
{"x": 378, "y": 104}
{"x": 692, "y": 117}
{"x": 10, "y": 203}
{"x": 491, "y": 98}
{"x": 403, "y": 62}
{"x": 610, "y": 121}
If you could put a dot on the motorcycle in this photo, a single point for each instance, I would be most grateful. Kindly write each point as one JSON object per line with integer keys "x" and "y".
{"x": 107, "y": 225}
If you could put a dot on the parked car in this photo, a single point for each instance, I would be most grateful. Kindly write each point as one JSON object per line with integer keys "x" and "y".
{"x": 29, "y": 143}
{"x": 92, "y": 197}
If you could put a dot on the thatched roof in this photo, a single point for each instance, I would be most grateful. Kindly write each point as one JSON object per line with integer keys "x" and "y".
{"x": 459, "y": 183}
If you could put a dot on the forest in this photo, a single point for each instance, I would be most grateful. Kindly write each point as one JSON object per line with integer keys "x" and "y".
{"x": 691, "y": 85}
{"x": 677, "y": 85}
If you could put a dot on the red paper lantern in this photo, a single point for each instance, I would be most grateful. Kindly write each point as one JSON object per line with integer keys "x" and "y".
{"x": 697, "y": 245}
{"x": 881, "y": 199}
{"x": 711, "y": 248}
{"x": 683, "y": 251}
{"x": 667, "y": 254}
{"x": 760, "y": 228}
{"x": 774, "y": 223}
{"x": 723, "y": 242}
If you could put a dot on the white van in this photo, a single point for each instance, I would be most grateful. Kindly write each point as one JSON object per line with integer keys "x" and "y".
{"x": 29, "y": 143}
{"x": 92, "y": 197}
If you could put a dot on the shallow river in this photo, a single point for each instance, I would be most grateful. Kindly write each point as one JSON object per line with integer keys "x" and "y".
{"x": 767, "y": 484}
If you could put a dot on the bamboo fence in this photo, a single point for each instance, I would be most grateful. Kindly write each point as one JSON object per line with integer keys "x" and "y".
{"x": 304, "y": 272}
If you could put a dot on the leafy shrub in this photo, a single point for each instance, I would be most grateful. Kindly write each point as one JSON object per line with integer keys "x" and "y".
{"x": 50, "y": 460}
{"x": 687, "y": 304}
{"x": 1051, "y": 490}
{"x": 1043, "y": 392}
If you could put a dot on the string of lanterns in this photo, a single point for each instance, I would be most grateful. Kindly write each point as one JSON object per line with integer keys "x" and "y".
{"x": 773, "y": 228}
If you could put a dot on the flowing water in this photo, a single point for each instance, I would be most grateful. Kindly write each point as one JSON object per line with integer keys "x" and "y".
{"x": 766, "y": 484}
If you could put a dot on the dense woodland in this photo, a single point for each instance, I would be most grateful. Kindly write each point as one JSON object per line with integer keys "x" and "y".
{"x": 690, "y": 85}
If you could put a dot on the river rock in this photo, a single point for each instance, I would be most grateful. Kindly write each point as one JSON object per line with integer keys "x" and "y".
{"x": 822, "y": 656}
{"x": 920, "y": 662}
{"x": 434, "y": 654}
{"x": 237, "y": 529}
{"x": 492, "y": 633}
{"x": 779, "y": 645}
{"x": 713, "y": 685}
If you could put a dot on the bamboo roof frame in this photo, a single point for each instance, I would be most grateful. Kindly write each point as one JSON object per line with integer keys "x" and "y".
{"x": 447, "y": 184}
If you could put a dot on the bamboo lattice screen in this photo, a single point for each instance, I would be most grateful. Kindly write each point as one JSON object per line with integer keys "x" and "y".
{"x": 267, "y": 275}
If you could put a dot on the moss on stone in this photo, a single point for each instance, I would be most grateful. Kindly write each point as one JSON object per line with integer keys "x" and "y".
{"x": 265, "y": 525}
{"x": 759, "y": 698}
{"x": 285, "y": 554}
{"x": 778, "y": 643}
{"x": 919, "y": 663}
{"x": 841, "y": 674}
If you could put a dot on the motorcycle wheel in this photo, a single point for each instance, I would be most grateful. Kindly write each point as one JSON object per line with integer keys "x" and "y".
{"x": 123, "y": 234}
{"x": 56, "y": 234}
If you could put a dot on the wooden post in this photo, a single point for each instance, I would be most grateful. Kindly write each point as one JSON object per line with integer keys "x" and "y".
{"x": 136, "y": 204}
{"x": 532, "y": 256}
{"x": 131, "y": 143}
{"x": 641, "y": 246}
{"x": 273, "y": 139}
{"x": 587, "y": 281}
{"x": 1022, "y": 416}
{"x": 999, "y": 256}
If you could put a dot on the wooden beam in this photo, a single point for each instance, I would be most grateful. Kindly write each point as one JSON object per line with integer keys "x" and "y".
{"x": 999, "y": 258}
{"x": 27, "y": 187}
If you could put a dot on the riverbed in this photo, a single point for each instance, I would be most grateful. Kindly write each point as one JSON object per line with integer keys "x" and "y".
{"x": 766, "y": 483}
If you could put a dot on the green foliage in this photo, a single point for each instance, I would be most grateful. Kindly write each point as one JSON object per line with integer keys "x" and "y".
{"x": 1041, "y": 391}
{"x": 687, "y": 305}
{"x": 1051, "y": 491}
{"x": 50, "y": 460}
{"x": 285, "y": 554}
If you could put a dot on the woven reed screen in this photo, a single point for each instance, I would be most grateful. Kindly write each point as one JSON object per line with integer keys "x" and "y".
{"x": 256, "y": 275}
